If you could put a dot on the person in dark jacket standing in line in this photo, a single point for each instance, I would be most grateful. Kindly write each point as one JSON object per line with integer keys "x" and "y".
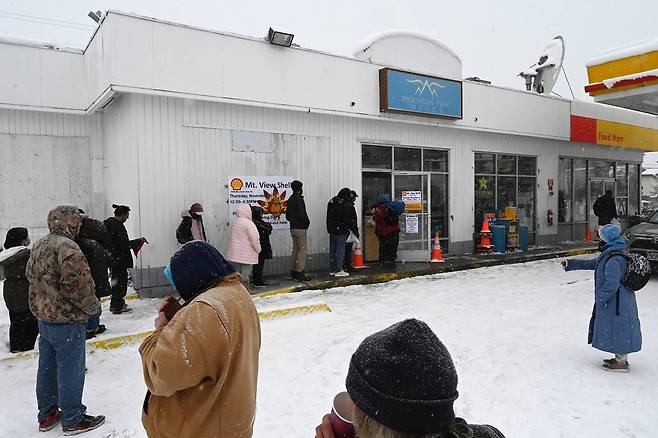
{"x": 93, "y": 241}
{"x": 191, "y": 227}
{"x": 387, "y": 230}
{"x": 605, "y": 208}
{"x": 349, "y": 246}
{"x": 264, "y": 231}
{"x": 299, "y": 223}
{"x": 23, "y": 326}
{"x": 341, "y": 219}
{"x": 122, "y": 260}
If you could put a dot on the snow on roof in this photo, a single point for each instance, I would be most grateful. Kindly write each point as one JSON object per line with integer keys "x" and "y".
{"x": 625, "y": 51}
{"x": 554, "y": 53}
{"x": 609, "y": 83}
{"x": 372, "y": 39}
{"x": 20, "y": 41}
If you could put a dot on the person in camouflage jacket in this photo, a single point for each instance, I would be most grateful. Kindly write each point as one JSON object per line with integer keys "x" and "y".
{"x": 61, "y": 287}
{"x": 62, "y": 297}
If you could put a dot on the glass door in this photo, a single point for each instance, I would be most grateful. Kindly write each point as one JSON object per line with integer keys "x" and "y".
{"x": 597, "y": 188}
{"x": 413, "y": 189}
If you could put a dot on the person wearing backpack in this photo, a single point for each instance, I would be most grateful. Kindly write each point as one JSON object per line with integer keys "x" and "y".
{"x": 387, "y": 230}
{"x": 614, "y": 326}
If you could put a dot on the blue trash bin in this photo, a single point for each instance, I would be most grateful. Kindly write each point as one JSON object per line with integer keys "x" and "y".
{"x": 499, "y": 237}
{"x": 523, "y": 237}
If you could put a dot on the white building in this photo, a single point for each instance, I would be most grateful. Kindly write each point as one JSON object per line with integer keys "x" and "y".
{"x": 159, "y": 115}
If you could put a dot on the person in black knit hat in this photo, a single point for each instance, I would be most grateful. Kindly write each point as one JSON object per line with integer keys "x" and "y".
{"x": 403, "y": 384}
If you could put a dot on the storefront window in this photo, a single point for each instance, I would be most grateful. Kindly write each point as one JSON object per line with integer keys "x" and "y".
{"x": 564, "y": 190}
{"x": 376, "y": 157}
{"x": 527, "y": 166}
{"x": 506, "y": 192}
{"x": 374, "y": 185}
{"x": 485, "y": 164}
{"x": 622, "y": 181}
{"x": 485, "y": 198}
{"x": 439, "y": 213}
{"x": 506, "y": 187}
{"x": 601, "y": 169}
{"x": 526, "y": 202}
{"x": 506, "y": 164}
{"x": 407, "y": 159}
{"x": 580, "y": 190}
{"x": 435, "y": 161}
{"x": 634, "y": 189}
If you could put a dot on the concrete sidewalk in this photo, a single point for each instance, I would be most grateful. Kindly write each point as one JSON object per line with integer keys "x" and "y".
{"x": 373, "y": 274}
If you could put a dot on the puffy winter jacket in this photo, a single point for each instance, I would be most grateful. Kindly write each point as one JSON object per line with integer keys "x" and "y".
{"x": 201, "y": 369}
{"x": 61, "y": 287}
{"x": 382, "y": 227}
{"x": 244, "y": 241}
{"x": 93, "y": 241}
{"x": 611, "y": 332}
{"x": 296, "y": 212}
{"x": 341, "y": 217}
{"x": 16, "y": 286}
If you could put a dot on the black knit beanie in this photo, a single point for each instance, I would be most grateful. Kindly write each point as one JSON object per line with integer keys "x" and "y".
{"x": 15, "y": 237}
{"x": 404, "y": 378}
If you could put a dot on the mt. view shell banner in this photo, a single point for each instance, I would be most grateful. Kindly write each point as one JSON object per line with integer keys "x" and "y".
{"x": 269, "y": 192}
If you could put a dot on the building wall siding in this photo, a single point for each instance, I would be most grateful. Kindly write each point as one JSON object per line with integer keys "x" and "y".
{"x": 79, "y": 136}
{"x": 179, "y": 152}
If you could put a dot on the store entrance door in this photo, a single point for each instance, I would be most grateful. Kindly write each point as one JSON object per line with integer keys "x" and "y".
{"x": 597, "y": 188}
{"x": 413, "y": 189}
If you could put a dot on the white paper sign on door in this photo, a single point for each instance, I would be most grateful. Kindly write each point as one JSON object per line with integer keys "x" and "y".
{"x": 412, "y": 224}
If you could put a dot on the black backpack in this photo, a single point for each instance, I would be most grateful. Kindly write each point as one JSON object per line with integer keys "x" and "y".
{"x": 638, "y": 270}
{"x": 392, "y": 217}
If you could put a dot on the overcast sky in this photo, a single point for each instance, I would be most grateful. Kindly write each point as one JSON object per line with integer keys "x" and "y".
{"x": 495, "y": 39}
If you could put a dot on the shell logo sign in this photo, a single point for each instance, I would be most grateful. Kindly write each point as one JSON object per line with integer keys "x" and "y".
{"x": 236, "y": 184}
{"x": 267, "y": 192}
{"x": 605, "y": 132}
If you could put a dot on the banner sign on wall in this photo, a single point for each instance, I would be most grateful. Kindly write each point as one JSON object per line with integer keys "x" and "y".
{"x": 269, "y": 192}
{"x": 410, "y": 93}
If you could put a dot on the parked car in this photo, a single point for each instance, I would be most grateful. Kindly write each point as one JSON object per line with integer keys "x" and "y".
{"x": 648, "y": 208}
{"x": 643, "y": 239}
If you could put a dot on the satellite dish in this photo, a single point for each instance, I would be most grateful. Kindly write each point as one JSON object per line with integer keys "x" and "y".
{"x": 541, "y": 77}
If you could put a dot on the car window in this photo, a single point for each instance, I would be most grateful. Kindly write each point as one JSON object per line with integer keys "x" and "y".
{"x": 654, "y": 219}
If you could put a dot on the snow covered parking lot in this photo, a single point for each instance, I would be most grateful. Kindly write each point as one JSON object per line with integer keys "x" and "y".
{"x": 516, "y": 333}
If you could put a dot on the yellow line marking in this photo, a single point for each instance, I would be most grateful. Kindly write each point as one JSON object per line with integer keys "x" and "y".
{"x": 285, "y": 290}
{"x": 301, "y": 310}
{"x": 130, "y": 297}
{"x": 120, "y": 341}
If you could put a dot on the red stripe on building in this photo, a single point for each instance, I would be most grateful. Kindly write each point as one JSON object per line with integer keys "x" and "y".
{"x": 583, "y": 129}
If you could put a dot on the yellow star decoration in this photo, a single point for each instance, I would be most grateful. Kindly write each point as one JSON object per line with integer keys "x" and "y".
{"x": 484, "y": 184}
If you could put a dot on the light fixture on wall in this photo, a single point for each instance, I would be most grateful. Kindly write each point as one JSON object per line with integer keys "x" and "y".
{"x": 279, "y": 38}
{"x": 96, "y": 16}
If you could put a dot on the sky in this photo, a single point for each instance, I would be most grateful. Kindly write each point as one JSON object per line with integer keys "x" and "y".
{"x": 495, "y": 39}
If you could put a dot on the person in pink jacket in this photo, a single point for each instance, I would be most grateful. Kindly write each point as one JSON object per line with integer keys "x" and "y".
{"x": 244, "y": 243}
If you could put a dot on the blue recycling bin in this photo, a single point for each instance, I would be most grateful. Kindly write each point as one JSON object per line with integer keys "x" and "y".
{"x": 499, "y": 233}
{"x": 523, "y": 237}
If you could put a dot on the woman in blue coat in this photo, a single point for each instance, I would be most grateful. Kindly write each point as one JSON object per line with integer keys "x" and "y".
{"x": 615, "y": 326}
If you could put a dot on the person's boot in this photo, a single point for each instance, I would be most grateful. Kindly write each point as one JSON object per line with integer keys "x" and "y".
{"x": 50, "y": 421}
{"x": 258, "y": 281}
{"x": 301, "y": 276}
{"x": 87, "y": 423}
{"x": 614, "y": 365}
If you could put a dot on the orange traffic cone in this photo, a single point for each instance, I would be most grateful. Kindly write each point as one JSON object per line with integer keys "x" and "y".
{"x": 357, "y": 256}
{"x": 588, "y": 234}
{"x": 485, "y": 246}
{"x": 437, "y": 256}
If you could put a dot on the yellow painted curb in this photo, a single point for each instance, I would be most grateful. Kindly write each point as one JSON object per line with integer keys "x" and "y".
{"x": 301, "y": 310}
{"x": 120, "y": 341}
{"x": 131, "y": 297}
{"x": 285, "y": 290}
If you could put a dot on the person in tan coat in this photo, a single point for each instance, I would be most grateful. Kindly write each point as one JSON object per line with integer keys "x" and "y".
{"x": 201, "y": 363}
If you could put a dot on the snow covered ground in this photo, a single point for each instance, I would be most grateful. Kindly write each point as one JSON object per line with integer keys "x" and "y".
{"x": 517, "y": 335}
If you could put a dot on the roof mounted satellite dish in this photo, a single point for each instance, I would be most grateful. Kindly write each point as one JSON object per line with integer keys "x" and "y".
{"x": 541, "y": 77}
